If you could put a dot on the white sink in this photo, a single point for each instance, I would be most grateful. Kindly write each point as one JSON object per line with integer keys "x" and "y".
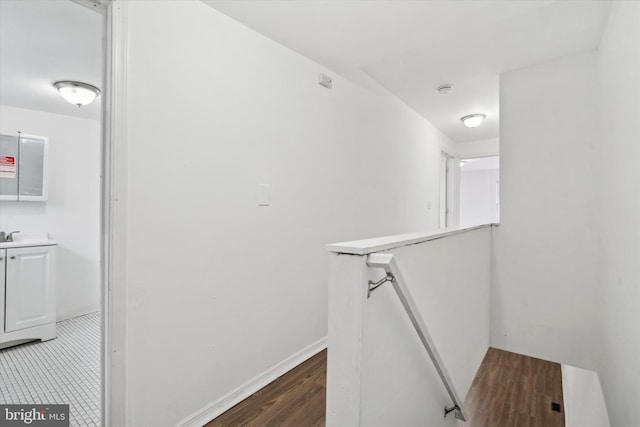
{"x": 35, "y": 238}
{"x": 30, "y": 237}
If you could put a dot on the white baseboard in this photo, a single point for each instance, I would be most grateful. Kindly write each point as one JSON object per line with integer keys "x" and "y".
{"x": 228, "y": 401}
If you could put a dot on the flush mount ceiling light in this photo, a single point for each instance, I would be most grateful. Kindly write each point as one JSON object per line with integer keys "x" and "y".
{"x": 77, "y": 93}
{"x": 473, "y": 120}
{"x": 444, "y": 89}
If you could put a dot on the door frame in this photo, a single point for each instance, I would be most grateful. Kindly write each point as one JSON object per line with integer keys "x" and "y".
{"x": 114, "y": 199}
{"x": 113, "y": 209}
{"x": 449, "y": 186}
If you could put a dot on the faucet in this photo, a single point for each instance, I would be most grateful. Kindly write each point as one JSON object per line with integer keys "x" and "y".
{"x": 9, "y": 237}
{"x": 3, "y": 237}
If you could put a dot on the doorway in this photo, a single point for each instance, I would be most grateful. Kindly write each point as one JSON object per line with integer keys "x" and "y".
{"x": 480, "y": 190}
{"x": 51, "y": 351}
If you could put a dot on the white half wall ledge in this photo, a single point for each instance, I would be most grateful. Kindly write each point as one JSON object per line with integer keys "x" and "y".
{"x": 231, "y": 399}
{"x": 377, "y": 244}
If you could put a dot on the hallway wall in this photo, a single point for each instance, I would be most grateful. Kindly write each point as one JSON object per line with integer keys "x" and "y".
{"x": 220, "y": 289}
{"x": 544, "y": 295}
{"x": 619, "y": 67}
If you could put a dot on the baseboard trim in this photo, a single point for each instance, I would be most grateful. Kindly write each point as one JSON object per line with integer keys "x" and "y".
{"x": 228, "y": 401}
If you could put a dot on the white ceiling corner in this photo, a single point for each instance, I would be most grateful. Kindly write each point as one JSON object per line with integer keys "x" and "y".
{"x": 43, "y": 41}
{"x": 410, "y": 47}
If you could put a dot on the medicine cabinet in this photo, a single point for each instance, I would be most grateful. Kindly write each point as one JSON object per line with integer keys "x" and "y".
{"x": 23, "y": 167}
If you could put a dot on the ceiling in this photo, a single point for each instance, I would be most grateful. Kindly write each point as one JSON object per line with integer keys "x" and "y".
{"x": 407, "y": 47}
{"x": 411, "y": 47}
{"x": 44, "y": 41}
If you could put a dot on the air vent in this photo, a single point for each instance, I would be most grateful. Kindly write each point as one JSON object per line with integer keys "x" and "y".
{"x": 444, "y": 89}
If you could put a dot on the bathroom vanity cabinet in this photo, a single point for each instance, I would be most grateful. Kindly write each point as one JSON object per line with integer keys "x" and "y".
{"x": 27, "y": 293}
{"x": 23, "y": 167}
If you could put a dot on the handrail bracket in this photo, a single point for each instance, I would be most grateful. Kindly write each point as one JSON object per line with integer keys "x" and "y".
{"x": 374, "y": 285}
{"x": 456, "y": 408}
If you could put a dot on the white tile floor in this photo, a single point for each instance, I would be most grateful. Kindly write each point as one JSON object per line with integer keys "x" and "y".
{"x": 65, "y": 370}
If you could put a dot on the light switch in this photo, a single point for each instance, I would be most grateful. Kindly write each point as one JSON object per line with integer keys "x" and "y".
{"x": 263, "y": 194}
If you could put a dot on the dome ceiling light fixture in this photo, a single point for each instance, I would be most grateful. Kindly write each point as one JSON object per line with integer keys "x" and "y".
{"x": 77, "y": 93}
{"x": 473, "y": 120}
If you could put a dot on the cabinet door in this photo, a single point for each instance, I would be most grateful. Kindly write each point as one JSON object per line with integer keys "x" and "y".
{"x": 32, "y": 169}
{"x": 30, "y": 298}
{"x": 3, "y": 256}
{"x": 23, "y": 167}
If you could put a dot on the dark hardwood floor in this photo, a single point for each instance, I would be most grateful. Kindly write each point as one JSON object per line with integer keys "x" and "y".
{"x": 510, "y": 390}
{"x": 296, "y": 399}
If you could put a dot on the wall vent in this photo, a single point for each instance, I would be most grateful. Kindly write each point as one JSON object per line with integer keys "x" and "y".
{"x": 325, "y": 81}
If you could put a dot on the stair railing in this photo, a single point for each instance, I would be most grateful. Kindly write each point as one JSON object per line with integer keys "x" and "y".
{"x": 387, "y": 262}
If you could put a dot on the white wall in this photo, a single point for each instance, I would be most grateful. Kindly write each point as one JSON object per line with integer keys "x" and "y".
{"x": 619, "y": 67}
{"x": 71, "y": 215}
{"x": 219, "y": 289}
{"x": 544, "y": 292}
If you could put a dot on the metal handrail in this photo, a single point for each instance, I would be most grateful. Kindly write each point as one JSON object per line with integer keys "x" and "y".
{"x": 387, "y": 262}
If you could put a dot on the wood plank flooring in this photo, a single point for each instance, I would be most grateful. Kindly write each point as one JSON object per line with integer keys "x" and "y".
{"x": 510, "y": 390}
{"x": 296, "y": 399}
